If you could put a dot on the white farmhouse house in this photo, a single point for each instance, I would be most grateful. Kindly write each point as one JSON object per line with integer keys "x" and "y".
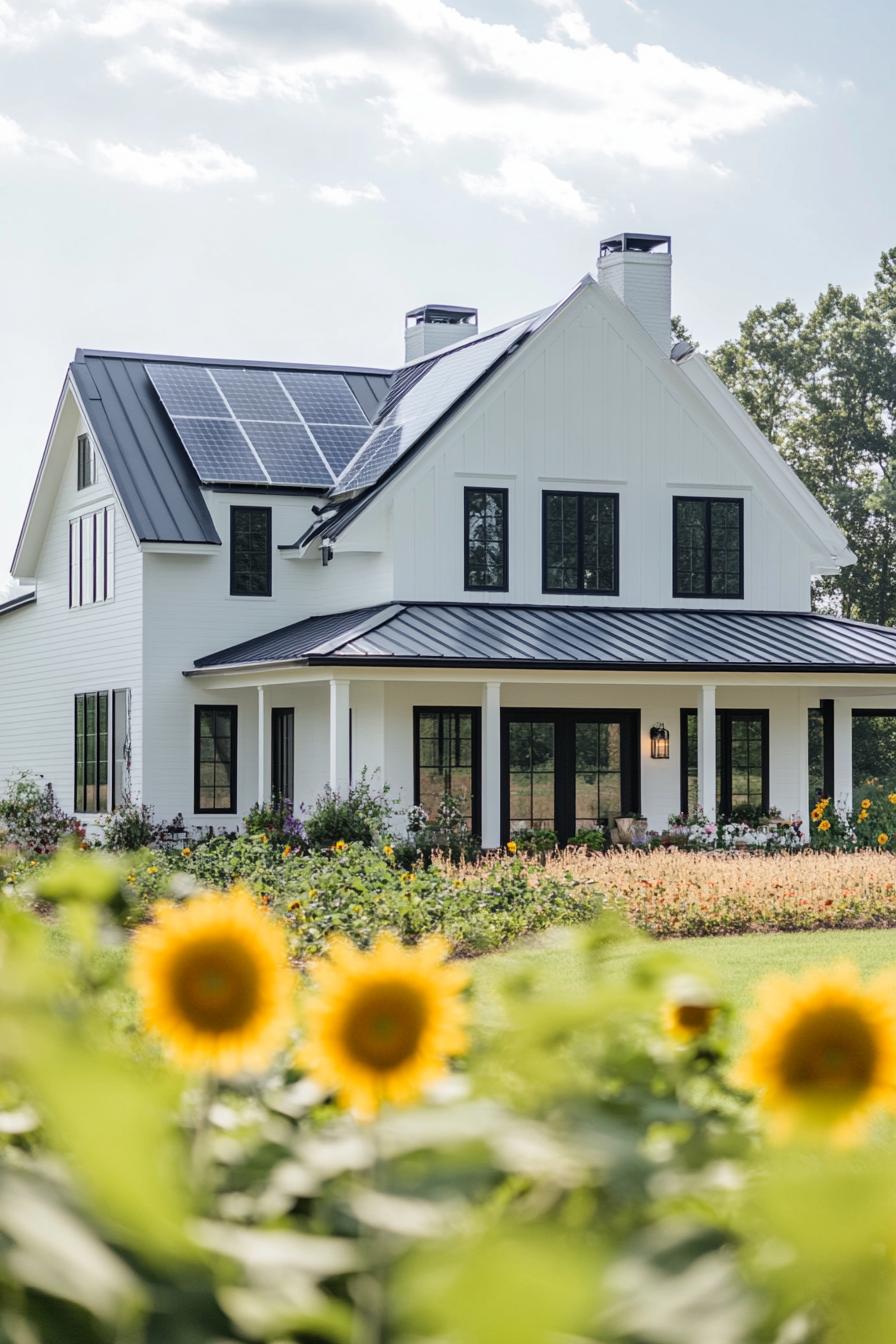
{"x": 553, "y": 569}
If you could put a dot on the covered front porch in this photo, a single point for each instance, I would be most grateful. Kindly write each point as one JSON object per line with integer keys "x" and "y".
{"x": 560, "y": 750}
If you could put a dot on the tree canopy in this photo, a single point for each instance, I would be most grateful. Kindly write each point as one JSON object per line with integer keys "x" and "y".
{"x": 822, "y": 387}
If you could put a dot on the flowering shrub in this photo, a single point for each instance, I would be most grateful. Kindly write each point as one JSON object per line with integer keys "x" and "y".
{"x": 31, "y": 818}
{"x": 870, "y": 825}
{"x": 254, "y": 1155}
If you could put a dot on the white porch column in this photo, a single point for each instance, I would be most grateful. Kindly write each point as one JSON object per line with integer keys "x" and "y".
{"x": 706, "y": 752}
{"x": 804, "y": 802}
{"x": 843, "y": 754}
{"x": 340, "y": 735}
{"x": 262, "y": 744}
{"x": 491, "y": 765}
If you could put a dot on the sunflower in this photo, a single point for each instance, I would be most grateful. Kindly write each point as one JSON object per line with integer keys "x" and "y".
{"x": 883, "y": 838}
{"x": 686, "y": 1022}
{"x": 511, "y": 846}
{"x": 891, "y": 798}
{"x": 822, "y": 1050}
{"x": 824, "y": 825}
{"x": 383, "y": 1023}
{"x": 866, "y": 803}
{"x": 215, "y": 982}
{"x": 863, "y": 815}
{"x": 815, "y": 814}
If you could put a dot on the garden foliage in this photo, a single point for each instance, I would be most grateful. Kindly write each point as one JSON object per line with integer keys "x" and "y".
{"x": 588, "y": 1172}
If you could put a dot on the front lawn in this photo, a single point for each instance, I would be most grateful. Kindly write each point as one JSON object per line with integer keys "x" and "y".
{"x": 733, "y": 964}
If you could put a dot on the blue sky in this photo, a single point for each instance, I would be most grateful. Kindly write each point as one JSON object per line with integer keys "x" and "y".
{"x": 285, "y": 178}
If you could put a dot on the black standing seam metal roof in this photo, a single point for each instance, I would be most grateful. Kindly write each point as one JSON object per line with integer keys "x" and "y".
{"x": 150, "y": 469}
{"x": 467, "y": 634}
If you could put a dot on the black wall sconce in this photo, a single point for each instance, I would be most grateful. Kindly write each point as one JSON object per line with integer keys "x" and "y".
{"x": 659, "y": 742}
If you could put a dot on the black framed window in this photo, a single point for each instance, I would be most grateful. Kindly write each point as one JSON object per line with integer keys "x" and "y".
{"x": 214, "y": 777}
{"x": 91, "y": 547}
{"x": 707, "y": 547}
{"x": 283, "y": 734}
{"x": 447, "y": 760}
{"x": 873, "y": 751}
{"x": 121, "y": 747}
{"x": 580, "y": 542}
{"x": 741, "y": 760}
{"x": 250, "y": 551}
{"x": 86, "y": 462}
{"x": 92, "y": 752}
{"x": 485, "y": 539}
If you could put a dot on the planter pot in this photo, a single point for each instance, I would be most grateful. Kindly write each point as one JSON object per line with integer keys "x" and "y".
{"x": 631, "y": 829}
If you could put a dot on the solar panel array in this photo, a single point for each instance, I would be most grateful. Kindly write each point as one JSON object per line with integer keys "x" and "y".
{"x": 426, "y": 397}
{"x": 262, "y": 426}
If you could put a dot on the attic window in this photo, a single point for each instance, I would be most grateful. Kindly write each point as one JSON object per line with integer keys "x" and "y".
{"x": 86, "y": 462}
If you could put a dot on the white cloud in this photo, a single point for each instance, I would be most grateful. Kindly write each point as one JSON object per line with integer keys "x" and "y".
{"x": 343, "y": 196}
{"x": 21, "y": 30}
{"x": 522, "y": 182}
{"x": 197, "y": 163}
{"x": 571, "y": 24}
{"x": 13, "y": 138}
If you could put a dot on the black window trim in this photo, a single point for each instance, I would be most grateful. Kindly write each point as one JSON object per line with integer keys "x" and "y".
{"x": 707, "y": 577}
{"x": 476, "y": 751}
{"x": 198, "y": 711}
{"x": 252, "y": 508}
{"x": 579, "y": 495}
{"x": 86, "y": 811}
{"x": 487, "y": 490}
{"x": 723, "y": 720}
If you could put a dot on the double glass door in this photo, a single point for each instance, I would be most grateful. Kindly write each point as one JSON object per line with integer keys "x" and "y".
{"x": 568, "y": 770}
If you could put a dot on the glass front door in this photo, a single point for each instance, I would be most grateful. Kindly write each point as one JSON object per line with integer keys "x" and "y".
{"x": 568, "y": 770}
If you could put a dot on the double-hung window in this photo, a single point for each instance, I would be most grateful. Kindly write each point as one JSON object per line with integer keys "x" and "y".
{"x": 91, "y": 547}
{"x": 250, "y": 551}
{"x": 580, "y": 542}
{"x": 485, "y": 539}
{"x": 92, "y": 752}
{"x": 707, "y": 547}
{"x": 214, "y": 782}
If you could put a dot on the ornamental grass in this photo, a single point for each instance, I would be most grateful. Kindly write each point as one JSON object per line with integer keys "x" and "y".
{"x": 677, "y": 893}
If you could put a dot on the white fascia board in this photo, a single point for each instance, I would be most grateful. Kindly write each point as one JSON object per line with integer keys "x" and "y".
{"x": 39, "y": 502}
{"x": 819, "y": 524}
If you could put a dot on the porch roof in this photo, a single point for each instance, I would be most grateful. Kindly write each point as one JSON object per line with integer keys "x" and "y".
{"x": 457, "y": 634}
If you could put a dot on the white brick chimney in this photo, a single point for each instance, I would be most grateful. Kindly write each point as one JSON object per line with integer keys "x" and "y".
{"x": 638, "y": 269}
{"x": 436, "y": 325}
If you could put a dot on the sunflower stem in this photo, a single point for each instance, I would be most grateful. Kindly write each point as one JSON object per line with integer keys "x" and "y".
{"x": 371, "y": 1297}
{"x": 201, "y": 1152}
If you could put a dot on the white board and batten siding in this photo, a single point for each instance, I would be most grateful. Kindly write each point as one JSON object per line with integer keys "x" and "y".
{"x": 51, "y": 652}
{"x": 589, "y": 403}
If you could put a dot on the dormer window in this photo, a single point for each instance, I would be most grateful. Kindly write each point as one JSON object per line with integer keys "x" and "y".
{"x": 707, "y": 547}
{"x": 86, "y": 462}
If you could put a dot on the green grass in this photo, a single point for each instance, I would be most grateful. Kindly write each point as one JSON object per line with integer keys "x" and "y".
{"x": 734, "y": 964}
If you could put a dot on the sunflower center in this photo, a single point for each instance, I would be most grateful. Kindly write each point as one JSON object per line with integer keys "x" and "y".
{"x": 830, "y": 1051}
{"x": 216, "y": 985}
{"x": 384, "y": 1025}
{"x": 696, "y": 1017}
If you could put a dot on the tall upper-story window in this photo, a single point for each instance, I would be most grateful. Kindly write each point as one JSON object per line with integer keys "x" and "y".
{"x": 707, "y": 547}
{"x": 580, "y": 539}
{"x": 92, "y": 752}
{"x": 86, "y": 462}
{"x": 91, "y": 547}
{"x": 485, "y": 539}
{"x": 250, "y": 551}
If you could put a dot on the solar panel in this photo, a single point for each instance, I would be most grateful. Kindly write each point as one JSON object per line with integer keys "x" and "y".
{"x": 218, "y": 451}
{"x": 267, "y": 406}
{"x": 323, "y": 398}
{"x": 425, "y": 400}
{"x": 339, "y": 443}
{"x": 186, "y": 389}
{"x": 288, "y": 453}
{"x": 254, "y": 394}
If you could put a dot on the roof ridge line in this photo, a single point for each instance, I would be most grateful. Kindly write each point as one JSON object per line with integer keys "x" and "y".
{"x": 82, "y": 353}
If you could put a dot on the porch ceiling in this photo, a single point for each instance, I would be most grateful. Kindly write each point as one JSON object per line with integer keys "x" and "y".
{"x": 574, "y": 638}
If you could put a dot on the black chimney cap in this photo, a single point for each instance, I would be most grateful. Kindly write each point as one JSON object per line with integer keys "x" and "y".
{"x": 636, "y": 242}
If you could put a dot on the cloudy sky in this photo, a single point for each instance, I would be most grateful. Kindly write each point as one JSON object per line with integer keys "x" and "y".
{"x": 285, "y": 178}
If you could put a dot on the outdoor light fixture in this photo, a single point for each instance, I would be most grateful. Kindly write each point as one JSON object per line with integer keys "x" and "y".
{"x": 659, "y": 742}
